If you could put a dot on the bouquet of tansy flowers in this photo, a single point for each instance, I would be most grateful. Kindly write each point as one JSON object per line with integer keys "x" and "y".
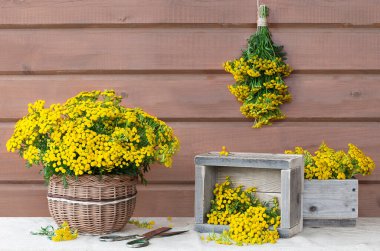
{"x": 259, "y": 74}
{"x": 92, "y": 134}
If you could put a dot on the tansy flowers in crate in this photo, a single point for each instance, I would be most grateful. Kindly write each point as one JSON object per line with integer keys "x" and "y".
{"x": 328, "y": 163}
{"x": 259, "y": 74}
{"x": 251, "y": 221}
{"x": 92, "y": 134}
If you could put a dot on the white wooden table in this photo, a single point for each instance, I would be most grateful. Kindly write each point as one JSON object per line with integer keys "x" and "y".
{"x": 15, "y": 235}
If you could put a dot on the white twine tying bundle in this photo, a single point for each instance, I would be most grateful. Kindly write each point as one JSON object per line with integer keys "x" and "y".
{"x": 261, "y": 21}
{"x": 97, "y": 203}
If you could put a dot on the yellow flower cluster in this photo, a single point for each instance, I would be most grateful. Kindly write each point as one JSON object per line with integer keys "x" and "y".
{"x": 228, "y": 201}
{"x": 142, "y": 224}
{"x": 224, "y": 151}
{"x": 254, "y": 67}
{"x": 241, "y": 92}
{"x": 330, "y": 164}
{"x": 92, "y": 134}
{"x": 64, "y": 233}
{"x": 252, "y": 226}
{"x": 250, "y": 220}
{"x": 260, "y": 87}
{"x": 362, "y": 163}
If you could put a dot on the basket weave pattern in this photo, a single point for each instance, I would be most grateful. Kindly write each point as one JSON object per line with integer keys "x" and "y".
{"x": 92, "y": 204}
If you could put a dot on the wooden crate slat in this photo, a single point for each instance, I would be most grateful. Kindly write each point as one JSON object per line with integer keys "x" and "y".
{"x": 205, "y": 190}
{"x": 296, "y": 195}
{"x": 256, "y": 160}
{"x": 330, "y": 199}
{"x": 263, "y": 179}
{"x": 315, "y": 223}
{"x": 285, "y": 199}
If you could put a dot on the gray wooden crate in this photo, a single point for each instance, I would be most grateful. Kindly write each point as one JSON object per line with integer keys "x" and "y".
{"x": 330, "y": 202}
{"x": 274, "y": 175}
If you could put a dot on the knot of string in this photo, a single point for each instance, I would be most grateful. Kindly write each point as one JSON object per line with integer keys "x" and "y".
{"x": 261, "y": 21}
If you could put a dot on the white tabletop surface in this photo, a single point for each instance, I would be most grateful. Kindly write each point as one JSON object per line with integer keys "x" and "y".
{"x": 15, "y": 235}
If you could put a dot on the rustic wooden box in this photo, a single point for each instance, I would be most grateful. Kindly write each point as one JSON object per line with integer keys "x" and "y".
{"x": 330, "y": 202}
{"x": 274, "y": 175}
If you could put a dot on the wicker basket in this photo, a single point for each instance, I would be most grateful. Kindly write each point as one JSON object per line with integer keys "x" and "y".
{"x": 93, "y": 205}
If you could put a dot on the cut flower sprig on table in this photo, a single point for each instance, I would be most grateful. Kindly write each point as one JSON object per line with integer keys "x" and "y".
{"x": 62, "y": 233}
{"x": 92, "y": 134}
{"x": 259, "y": 75}
{"x": 327, "y": 163}
{"x": 251, "y": 221}
{"x": 142, "y": 224}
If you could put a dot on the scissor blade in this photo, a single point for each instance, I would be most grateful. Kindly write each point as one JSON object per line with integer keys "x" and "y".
{"x": 167, "y": 234}
{"x": 110, "y": 238}
{"x": 155, "y": 232}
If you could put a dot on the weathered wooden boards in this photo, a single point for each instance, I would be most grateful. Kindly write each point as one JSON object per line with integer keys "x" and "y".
{"x": 171, "y": 95}
{"x": 49, "y": 51}
{"x": 196, "y": 137}
{"x": 30, "y": 200}
{"x": 122, "y": 12}
{"x": 330, "y": 202}
{"x": 143, "y": 47}
{"x": 252, "y": 169}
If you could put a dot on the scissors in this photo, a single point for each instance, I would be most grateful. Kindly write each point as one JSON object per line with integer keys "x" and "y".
{"x": 141, "y": 240}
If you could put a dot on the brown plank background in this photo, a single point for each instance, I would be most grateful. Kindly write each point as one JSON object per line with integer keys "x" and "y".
{"x": 167, "y": 56}
{"x": 221, "y": 12}
{"x": 122, "y": 50}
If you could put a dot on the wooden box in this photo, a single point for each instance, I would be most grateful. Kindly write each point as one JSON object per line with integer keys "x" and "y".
{"x": 330, "y": 202}
{"x": 274, "y": 175}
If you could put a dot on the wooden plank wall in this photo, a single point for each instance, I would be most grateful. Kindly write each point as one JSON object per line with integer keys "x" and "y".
{"x": 167, "y": 55}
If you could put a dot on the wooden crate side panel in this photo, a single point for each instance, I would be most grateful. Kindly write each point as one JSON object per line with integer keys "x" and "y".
{"x": 204, "y": 187}
{"x": 121, "y": 12}
{"x": 330, "y": 199}
{"x": 285, "y": 198}
{"x": 265, "y": 180}
{"x": 119, "y": 50}
{"x": 296, "y": 197}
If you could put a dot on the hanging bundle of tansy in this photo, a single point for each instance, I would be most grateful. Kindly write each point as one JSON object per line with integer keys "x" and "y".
{"x": 259, "y": 74}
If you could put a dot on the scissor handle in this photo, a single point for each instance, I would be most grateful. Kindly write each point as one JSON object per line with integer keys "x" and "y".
{"x": 111, "y": 238}
{"x": 138, "y": 243}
